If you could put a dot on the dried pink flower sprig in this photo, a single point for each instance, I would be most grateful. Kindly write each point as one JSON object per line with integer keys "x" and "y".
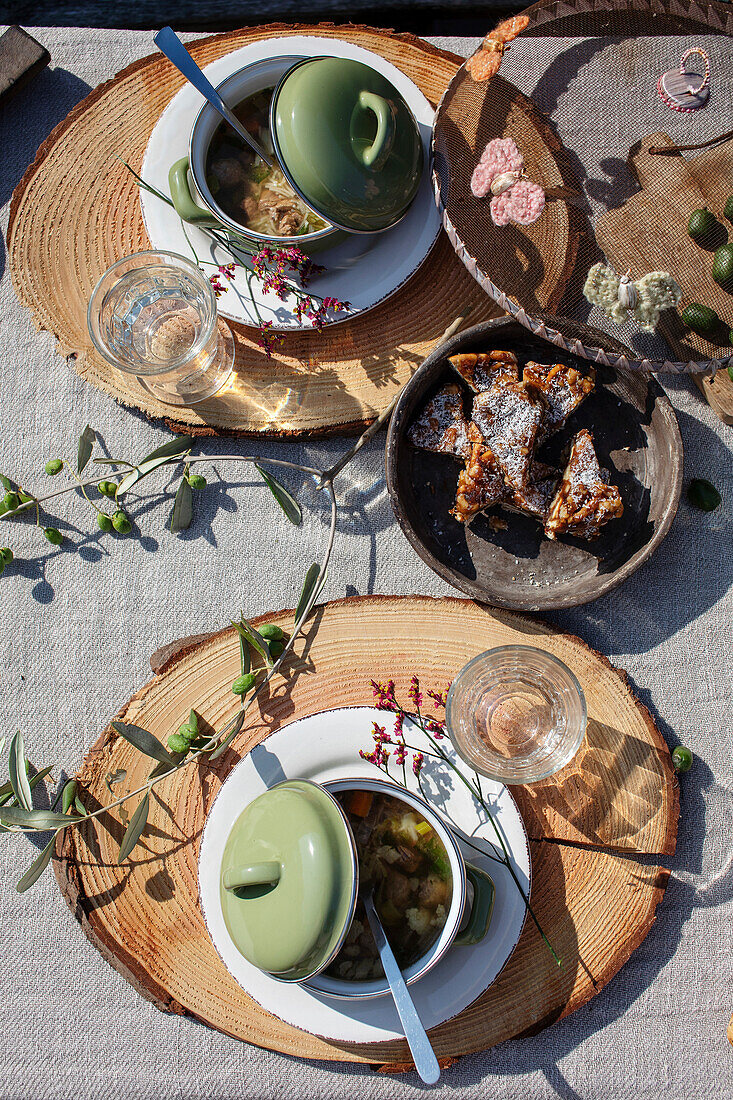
{"x": 434, "y": 731}
{"x": 275, "y": 269}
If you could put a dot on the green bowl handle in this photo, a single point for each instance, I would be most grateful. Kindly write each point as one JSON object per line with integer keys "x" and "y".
{"x": 259, "y": 874}
{"x": 482, "y": 908}
{"x": 376, "y": 153}
{"x": 182, "y": 199}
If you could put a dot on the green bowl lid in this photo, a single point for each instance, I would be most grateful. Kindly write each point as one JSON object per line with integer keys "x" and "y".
{"x": 347, "y": 142}
{"x": 289, "y": 880}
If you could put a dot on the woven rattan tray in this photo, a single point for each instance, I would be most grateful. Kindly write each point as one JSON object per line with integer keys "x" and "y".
{"x": 77, "y": 210}
{"x": 587, "y": 824}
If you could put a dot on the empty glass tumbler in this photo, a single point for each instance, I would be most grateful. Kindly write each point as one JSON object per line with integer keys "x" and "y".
{"x": 516, "y": 714}
{"x": 153, "y": 314}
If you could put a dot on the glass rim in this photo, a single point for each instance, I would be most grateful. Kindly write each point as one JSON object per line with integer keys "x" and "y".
{"x": 192, "y": 352}
{"x": 502, "y": 777}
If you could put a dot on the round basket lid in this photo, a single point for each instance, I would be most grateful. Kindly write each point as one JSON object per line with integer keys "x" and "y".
{"x": 289, "y": 880}
{"x": 347, "y": 142}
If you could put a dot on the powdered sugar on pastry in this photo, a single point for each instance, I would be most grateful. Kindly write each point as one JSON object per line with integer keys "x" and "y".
{"x": 508, "y": 416}
{"x": 584, "y": 501}
{"x": 480, "y": 370}
{"x": 441, "y": 426}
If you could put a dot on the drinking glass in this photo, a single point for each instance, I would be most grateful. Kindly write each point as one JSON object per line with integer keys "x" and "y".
{"x": 516, "y": 714}
{"x": 153, "y": 314}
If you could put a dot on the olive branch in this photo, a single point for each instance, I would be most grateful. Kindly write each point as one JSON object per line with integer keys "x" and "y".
{"x": 17, "y": 814}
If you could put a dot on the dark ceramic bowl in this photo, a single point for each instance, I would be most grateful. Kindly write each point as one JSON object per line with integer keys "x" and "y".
{"x": 636, "y": 437}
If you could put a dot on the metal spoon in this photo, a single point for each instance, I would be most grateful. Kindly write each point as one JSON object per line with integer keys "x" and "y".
{"x": 423, "y": 1054}
{"x": 170, "y": 44}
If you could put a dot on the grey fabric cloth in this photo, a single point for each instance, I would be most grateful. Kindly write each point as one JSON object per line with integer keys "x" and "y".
{"x": 76, "y": 631}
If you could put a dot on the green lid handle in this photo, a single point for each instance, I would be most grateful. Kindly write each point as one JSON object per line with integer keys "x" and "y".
{"x": 376, "y": 154}
{"x": 259, "y": 874}
{"x": 185, "y": 205}
{"x": 482, "y": 908}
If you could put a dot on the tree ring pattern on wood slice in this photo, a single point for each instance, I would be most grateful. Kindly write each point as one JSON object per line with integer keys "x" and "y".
{"x": 595, "y": 904}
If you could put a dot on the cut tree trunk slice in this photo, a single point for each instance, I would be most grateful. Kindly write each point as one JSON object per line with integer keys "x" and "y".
{"x": 77, "y": 210}
{"x": 596, "y": 906}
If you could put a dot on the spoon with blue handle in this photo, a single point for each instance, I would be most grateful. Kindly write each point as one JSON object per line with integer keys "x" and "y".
{"x": 170, "y": 44}
{"x": 423, "y": 1054}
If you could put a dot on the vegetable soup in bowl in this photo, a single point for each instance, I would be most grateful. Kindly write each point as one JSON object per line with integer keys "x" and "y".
{"x": 428, "y": 898}
{"x": 222, "y": 183}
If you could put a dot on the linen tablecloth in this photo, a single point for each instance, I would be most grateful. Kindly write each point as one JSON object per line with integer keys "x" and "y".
{"x": 77, "y": 628}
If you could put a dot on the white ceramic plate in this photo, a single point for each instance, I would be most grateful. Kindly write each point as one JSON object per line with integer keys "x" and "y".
{"x": 325, "y": 747}
{"x": 363, "y": 270}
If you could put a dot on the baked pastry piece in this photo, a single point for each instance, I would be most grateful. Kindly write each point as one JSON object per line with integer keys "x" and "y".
{"x": 535, "y": 499}
{"x": 562, "y": 389}
{"x": 441, "y": 426}
{"x": 508, "y": 415}
{"x": 482, "y": 369}
{"x": 584, "y": 500}
{"x": 480, "y": 482}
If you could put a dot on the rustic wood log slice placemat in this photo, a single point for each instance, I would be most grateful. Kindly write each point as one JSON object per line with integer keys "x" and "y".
{"x": 77, "y": 210}
{"x": 595, "y": 900}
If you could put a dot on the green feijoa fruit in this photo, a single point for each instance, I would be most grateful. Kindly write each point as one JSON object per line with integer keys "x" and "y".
{"x": 6, "y": 554}
{"x": 53, "y": 466}
{"x": 121, "y": 523}
{"x": 276, "y": 648}
{"x": 53, "y": 535}
{"x": 271, "y": 632}
{"x": 11, "y": 501}
{"x": 682, "y": 758}
{"x": 104, "y": 522}
{"x": 728, "y": 209}
{"x": 244, "y": 683}
{"x": 196, "y": 481}
{"x": 701, "y": 224}
{"x": 723, "y": 265}
{"x": 177, "y": 743}
{"x": 701, "y": 319}
{"x": 703, "y": 494}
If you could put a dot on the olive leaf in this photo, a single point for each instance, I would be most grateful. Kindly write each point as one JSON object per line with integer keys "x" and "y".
{"x": 39, "y": 776}
{"x": 244, "y": 655}
{"x": 16, "y": 769}
{"x": 32, "y": 819}
{"x": 182, "y": 513}
{"x": 84, "y": 450}
{"x": 311, "y": 587}
{"x": 68, "y": 796}
{"x": 8, "y": 485}
{"x": 144, "y": 741}
{"x": 156, "y": 458}
{"x": 37, "y": 867}
{"x": 283, "y": 496}
{"x": 229, "y": 737}
{"x": 79, "y": 806}
{"x": 138, "y": 821}
{"x": 248, "y": 632}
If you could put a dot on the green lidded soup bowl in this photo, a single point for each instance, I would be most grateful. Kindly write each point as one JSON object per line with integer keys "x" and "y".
{"x": 289, "y": 884}
{"x": 345, "y": 139}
